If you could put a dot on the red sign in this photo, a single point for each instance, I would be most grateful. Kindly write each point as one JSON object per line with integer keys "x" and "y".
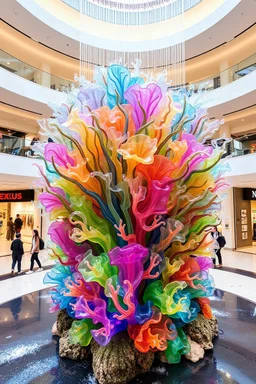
{"x": 16, "y": 196}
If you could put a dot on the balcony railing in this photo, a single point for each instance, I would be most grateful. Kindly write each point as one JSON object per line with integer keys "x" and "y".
{"x": 18, "y": 146}
{"x": 28, "y": 72}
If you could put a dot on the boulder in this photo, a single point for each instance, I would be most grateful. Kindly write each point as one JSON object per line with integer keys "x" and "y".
{"x": 196, "y": 351}
{"x": 72, "y": 351}
{"x": 55, "y": 330}
{"x": 202, "y": 331}
{"x": 119, "y": 361}
{"x": 64, "y": 322}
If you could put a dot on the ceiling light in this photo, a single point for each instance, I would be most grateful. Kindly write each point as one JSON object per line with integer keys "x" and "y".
{"x": 8, "y": 63}
{"x": 242, "y": 119}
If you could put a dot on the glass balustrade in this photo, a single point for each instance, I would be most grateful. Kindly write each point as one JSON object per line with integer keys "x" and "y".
{"x": 18, "y": 146}
{"x": 49, "y": 80}
{"x": 28, "y": 72}
{"x": 225, "y": 77}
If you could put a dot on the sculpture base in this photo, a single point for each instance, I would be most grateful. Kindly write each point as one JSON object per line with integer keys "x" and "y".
{"x": 28, "y": 353}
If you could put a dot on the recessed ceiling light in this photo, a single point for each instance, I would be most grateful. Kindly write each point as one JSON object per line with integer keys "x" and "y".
{"x": 242, "y": 119}
{"x": 8, "y": 63}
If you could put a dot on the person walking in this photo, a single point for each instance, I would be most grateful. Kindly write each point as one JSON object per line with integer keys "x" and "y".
{"x": 34, "y": 252}
{"x": 219, "y": 243}
{"x": 17, "y": 253}
{"x": 10, "y": 229}
{"x": 18, "y": 223}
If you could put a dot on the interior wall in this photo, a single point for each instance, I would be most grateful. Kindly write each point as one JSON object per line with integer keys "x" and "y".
{"x": 227, "y": 219}
{"x": 3, "y": 219}
{"x": 242, "y": 205}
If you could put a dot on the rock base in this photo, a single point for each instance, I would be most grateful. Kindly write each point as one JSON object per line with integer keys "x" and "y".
{"x": 72, "y": 351}
{"x": 203, "y": 331}
{"x": 119, "y": 361}
{"x": 64, "y": 322}
{"x": 196, "y": 351}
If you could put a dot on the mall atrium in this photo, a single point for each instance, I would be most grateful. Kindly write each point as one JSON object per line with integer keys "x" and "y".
{"x": 128, "y": 191}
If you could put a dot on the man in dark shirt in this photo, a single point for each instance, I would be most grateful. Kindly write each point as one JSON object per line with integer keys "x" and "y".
{"x": 17, "y": 252}
{"x": 18, "y": 223}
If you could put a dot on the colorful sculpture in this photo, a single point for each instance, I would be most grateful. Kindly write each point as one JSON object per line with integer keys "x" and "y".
{"x": 133, "y": 191}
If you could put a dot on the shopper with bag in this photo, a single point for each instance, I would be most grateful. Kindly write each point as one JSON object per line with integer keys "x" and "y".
{"x": 219, "y": 243}
{"x": 37, "y": 245}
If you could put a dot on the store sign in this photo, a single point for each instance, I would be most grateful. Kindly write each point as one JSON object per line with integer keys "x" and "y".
{"x": 249, "y": 194}
{"x": 16, "y": 196}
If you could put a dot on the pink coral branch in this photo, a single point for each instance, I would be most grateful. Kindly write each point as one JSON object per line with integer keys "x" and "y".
{"x": 125, "y": 313}
{"x": 89, "y": 291}
{"x": 121, "y": 228}
{"x": 156, "y": 223}
{"x": 155, "y": 259}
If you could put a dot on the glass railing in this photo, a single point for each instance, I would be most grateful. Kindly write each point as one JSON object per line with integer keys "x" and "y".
{"x": 18, "y": 146}
{"x": 28, "y": 72}
{"x": 245, "y": 145}
{"x": 225, "y": 77}
{"x": 49, "y": 80}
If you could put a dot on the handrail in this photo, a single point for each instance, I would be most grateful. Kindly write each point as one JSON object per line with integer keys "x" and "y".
{"x": 36, "y": 75}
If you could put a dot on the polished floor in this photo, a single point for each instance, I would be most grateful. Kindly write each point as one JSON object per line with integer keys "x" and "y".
{"x": 250, "y": 249}
{"x": 28, "y": 354}
{"x": 6, "y": 262}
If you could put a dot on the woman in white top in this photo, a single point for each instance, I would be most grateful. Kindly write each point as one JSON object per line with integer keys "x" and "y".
{"x": 34, "y": 252}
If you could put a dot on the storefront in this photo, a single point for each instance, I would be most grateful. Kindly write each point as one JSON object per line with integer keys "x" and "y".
{"x": 245, "y": 218}
{"x": 22, "y": 202}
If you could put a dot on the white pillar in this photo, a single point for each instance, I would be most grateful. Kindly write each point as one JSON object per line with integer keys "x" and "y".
{"x": 227, "y": 217}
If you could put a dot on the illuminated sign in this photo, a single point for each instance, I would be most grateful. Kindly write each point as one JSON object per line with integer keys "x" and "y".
{"x": 249, "y": 194}
{"x": 16, "y": 196}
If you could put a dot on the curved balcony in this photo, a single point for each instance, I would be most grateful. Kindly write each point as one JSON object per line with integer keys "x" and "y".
{"x": 49, "y": 80}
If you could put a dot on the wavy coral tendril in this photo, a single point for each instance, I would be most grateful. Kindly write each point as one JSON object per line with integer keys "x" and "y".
{"x": 121, "y": 229}
{"x": 154, "y": 333}
{"x": 127, "y": 299}
{"x": 155, "y": 260}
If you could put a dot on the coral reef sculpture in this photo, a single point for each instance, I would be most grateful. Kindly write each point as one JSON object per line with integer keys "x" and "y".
{"x": 133, "y": 187}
